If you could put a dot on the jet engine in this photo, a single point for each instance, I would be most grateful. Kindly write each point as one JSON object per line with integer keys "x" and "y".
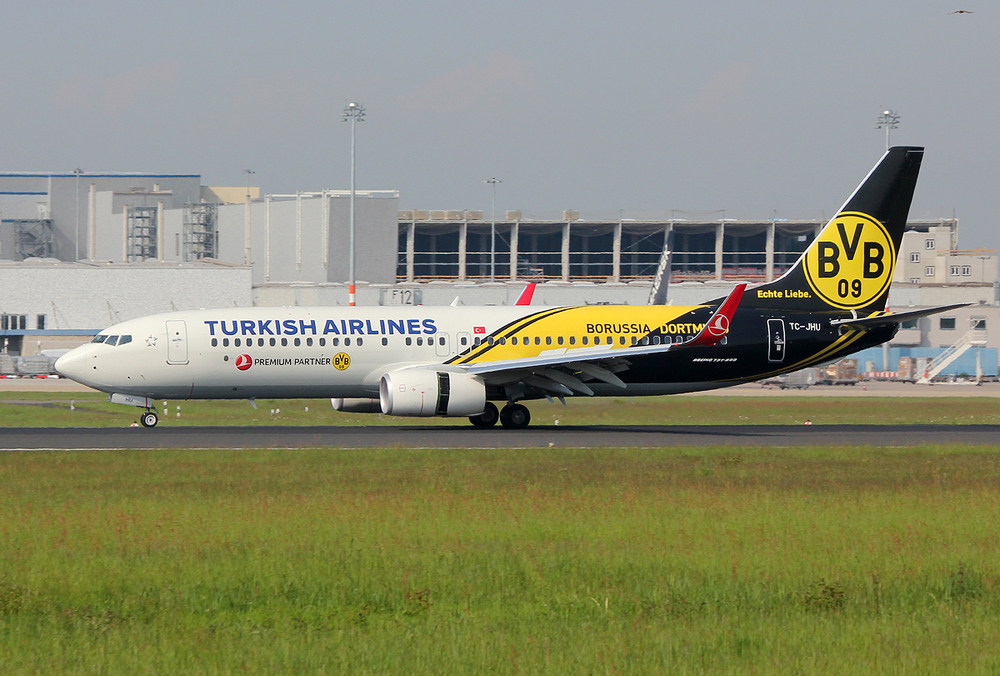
{"x": 356, "y": 405}
{"x": 427, "y": 392}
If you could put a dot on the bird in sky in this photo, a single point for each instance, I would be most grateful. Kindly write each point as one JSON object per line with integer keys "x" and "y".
{"x": 961, "y": 11}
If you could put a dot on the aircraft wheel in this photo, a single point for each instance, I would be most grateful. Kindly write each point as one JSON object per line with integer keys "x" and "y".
{"x": 488, "y": 418}
{"x": 148, "y": 419}
{"x": 515, "y": 417}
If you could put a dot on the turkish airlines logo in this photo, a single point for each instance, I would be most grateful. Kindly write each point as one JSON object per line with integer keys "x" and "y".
{"x": 719, "y": 326}
{"x": 243, "y": 362}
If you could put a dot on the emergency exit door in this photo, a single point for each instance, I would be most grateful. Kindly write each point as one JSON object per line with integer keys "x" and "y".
{"x": 776, "y": 340}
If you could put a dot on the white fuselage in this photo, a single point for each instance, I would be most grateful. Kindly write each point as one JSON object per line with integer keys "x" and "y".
{"x": 277, "y": 352}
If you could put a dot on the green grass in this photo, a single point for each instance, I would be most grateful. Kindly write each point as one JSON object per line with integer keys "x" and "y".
{"x": 30, "y": 409}
{"x": 683, "y": 560}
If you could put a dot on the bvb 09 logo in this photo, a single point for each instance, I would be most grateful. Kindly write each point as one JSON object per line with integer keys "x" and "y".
{"x": 850, "y": 264}
{"x": 341, "y": 361}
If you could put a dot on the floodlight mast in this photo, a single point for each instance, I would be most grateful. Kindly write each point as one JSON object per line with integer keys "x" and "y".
{"x": 76, "y": 235}
{"x": 356, "y": 113}
{"x": 493, "y": 229}
{"x": 887, "y": 120}
{"x": 247, "y": 234}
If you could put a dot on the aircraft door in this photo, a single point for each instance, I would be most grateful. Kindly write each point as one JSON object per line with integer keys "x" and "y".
{"x": 776, "y": 340}
{"x": 442, "y": 347}
{"x": 177, "y": 348}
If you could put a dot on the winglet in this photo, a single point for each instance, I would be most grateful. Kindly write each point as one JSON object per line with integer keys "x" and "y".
{"x": 717, "y": 327}
{"x": 525, "y": 297}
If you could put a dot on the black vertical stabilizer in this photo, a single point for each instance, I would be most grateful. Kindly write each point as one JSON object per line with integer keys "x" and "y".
{"x": 849, "y": 265}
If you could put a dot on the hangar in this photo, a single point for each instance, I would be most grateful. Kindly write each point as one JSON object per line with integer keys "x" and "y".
{"x": 81, "y": 250}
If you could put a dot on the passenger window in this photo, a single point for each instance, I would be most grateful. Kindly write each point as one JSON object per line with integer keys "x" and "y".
{"x": 513, "y": 340}
{"x": 634, "y": 340}
{"x": 284, "y": 342}
{"x": 297, "y": 342}
{"x": 621, "y": 340}
{"x": 491, "y": 341}
{"x": 441, "y": 340}
{"x": 409, "y": 341}
{"x": 309, "y": 342}
{"x": 585, "y": 340}
{"x": 538, "y": 340}
{"x": 260, "y": 342}
{"x": 347, "y": 342}
{"x": 464, "y": 341}
{"x": 503, "y": 341}
{"x": 477, "y": 341}
{"x": 322, "y": 342}
{"x": 225, "y": 342}
{"x": 560, "y": 340}
{"x": 272, "y": 341}
{"x": 335, "y": 341}
{"x": 548, "y": 340}
{"x": 656, "y": 340}
{"x": 236, "y": 342}
{"x": 420, "y": 340}
{"x": 215, "y": 342}
{"x": 572, "y": 340}
{"x": 385, "y": 341}
{"x": 360, "y": 343}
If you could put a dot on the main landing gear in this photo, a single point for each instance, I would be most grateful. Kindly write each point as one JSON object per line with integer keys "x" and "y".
{"x": 513, "y": 417}
{"x": 149, "y": 419}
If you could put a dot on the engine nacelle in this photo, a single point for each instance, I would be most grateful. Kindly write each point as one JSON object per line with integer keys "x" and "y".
{"x": 356, "y": 405}
{"x": 427, "y": 392}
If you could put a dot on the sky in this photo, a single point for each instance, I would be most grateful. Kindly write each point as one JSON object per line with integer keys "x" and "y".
{"x": 631, "y": 109}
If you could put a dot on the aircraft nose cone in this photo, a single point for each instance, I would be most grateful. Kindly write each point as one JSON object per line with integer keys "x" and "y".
{"x": 73, "y": 365}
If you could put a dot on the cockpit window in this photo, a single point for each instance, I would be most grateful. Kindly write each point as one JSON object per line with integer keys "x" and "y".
{"x": 112, "y": 340}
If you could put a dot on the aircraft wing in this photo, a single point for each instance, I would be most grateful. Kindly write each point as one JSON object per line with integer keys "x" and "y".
{"x": 526, "y": 294}
{"x": 893, "y": 317}
{"x": 565, "y": 373}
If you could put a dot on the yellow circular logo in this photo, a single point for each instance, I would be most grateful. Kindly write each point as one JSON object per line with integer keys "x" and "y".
{"x": 341, "y": 361}
{"x": 850, "y": 263}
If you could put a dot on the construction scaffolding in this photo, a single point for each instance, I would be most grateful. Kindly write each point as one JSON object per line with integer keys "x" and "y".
{"x": 33, "y": 238}
{"x": 201, "y": 235}
{"x": 142, "y": 234}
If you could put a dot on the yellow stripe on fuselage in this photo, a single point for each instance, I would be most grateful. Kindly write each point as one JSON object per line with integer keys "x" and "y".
{"x": 578, "y": 323}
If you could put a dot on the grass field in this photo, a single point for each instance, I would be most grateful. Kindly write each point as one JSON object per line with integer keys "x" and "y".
{"x": 786, "y": 561}
{"x": 30, "y": 409}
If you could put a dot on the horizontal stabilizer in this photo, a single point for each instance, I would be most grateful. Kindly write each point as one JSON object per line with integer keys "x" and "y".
{"x": 893, "y": 317}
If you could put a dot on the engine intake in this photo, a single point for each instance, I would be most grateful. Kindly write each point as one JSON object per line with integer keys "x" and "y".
{"x": 423, "y": 392}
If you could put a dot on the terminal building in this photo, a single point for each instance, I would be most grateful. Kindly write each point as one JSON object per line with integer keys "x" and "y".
{"x": 80, "y": 251}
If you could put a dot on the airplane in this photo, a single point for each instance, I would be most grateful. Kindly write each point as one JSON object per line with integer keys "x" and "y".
{"x": 457, "y": 361}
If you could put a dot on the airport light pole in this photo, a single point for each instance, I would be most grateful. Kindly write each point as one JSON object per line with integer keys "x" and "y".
{"x": 77, "y": 171}
{"x": 888, "y": 120}
{"x": 247, "y": 241}
{"x": 493, "y": 229}
{"x": 356, "y": 113}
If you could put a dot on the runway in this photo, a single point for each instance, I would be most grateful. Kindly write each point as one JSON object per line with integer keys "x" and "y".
{"x": 464, "y": 436}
